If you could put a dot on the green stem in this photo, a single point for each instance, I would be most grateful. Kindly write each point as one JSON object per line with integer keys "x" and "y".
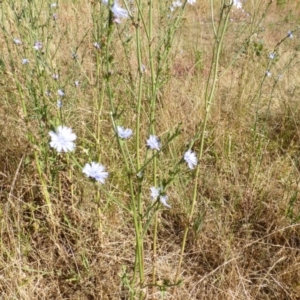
{"x": 137, "y": 211}
{"x": 152, "y": 131}
{"x": 135, "y": 200}
{"x": 209, "y": 95}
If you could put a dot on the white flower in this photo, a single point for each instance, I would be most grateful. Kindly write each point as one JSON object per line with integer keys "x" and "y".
{"x": 153, "y": 142}
{"x": 105, "y": 2}
{"x": 190, "y": 158}
{"x": 143, "y": 68}
{"x": 60, "y": 92}
{"x": 96, "y": 171}
{"x": 155, "y": 192}
{"x": 118, "y": 11}
{"x": 55, "y": 76}
{"x": 176, "y": 3}
{"x": 59, "y": 103}
{"x": 17, "y": 41}
{"x": 237, "y": 4}
{"x": 97, "y": 45}
{"x": 48, "y": 93}
{"x": 76, "y": 82}
{"x": 37, "y": 45}
{"x": 191, "y": 2}
{"x": 63, "y": 139}
{"x": 53, "y": 5}
{"x": 124, "y": 133}
{"x": 25, "y": 61}
{"x": 268, "y": 73}
{"x": 272, "y": 55}
{"x": 290, "y": 34}
{"x": 163, "y": 201}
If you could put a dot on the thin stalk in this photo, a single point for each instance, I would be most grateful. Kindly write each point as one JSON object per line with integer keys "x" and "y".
{"x": 135, "y": 203}
{"x": 152, "y": 131}
{"x": 138, "y": 210}
{"x": 99, "y": 102}
{"x": 140, "y": 90}
{"x": 208, "y": 102}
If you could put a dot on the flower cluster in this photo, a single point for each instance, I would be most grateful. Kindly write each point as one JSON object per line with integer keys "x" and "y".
{"x": 63, "y": 140}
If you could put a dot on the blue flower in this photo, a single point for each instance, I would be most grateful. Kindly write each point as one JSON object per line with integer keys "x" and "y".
{"x": 124, "y": 133}
{"x": 62, "y": 139}
{"x": 190, "y": 158}
{"x": 119, "y": 12}
{"x": 153, "y": 142}
{"x": 156, "y": 194}
{"x": 96, "y": 171}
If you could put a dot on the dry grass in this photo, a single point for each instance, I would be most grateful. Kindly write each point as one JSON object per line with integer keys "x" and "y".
{"x": 244, "y": 241}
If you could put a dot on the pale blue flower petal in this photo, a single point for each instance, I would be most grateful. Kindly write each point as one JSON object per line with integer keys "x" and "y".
{"x": 153, "y": 142}
{"x": 62, "y": 139}
{"x": 95, "y": 171}
{"x": 190, "y": 158}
